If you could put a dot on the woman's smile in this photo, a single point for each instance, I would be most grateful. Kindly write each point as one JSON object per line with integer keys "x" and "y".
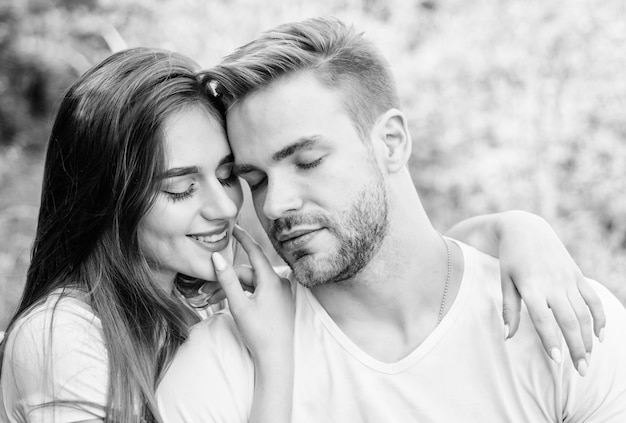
{"x": 213, "y": 242}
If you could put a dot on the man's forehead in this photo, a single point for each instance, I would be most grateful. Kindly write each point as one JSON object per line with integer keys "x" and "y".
{"x": 260, "y": 90}
{"x": 285, "y": 89}
{"x": 274, "y": 122}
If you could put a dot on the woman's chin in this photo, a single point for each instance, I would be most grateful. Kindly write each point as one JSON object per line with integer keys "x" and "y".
{"x": 207, "y": 271}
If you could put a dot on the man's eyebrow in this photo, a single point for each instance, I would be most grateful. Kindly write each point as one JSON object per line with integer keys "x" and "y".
{"x": 300, "y": 144}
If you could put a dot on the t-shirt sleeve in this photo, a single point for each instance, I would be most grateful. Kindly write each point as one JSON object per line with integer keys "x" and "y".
{"x": 600, "y": 396}
{"x": 211, "y": 378}
{"x": 55, "y": 367}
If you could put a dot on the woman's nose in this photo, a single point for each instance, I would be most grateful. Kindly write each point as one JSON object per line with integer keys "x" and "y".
{"x": 221, "y": 202}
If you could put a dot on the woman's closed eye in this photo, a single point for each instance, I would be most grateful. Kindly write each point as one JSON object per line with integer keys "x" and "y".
{"x": 175, "y": 193}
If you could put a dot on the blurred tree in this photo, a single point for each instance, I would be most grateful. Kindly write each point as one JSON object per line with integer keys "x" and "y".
{"x": 520, "y": 105}
{"x": 516, "y": 104}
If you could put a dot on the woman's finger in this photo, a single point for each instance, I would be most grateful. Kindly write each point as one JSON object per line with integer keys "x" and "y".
{"x": 570, "y": 326}
{"x": 229, "y": 282}
{"x": 245, "y": 274}
{"x": 596, "y": 308}
{"x": 584, "y": 319}
{"x": 211, "y": 292}
{"x": 511, "y": 305}
{"x": 264, "y": 273}
{"x": 257, "y": 257}
{"x": 217, "y": 297}
{"x": 543, "y": 320}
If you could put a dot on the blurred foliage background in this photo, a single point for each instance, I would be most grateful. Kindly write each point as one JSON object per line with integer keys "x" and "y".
{"x": 515, "y": 104}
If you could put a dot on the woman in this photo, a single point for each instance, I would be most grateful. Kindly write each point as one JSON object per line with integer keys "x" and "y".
{"x": 138, "y": 190}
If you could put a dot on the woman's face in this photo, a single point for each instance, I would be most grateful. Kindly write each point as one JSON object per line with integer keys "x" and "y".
{"x": 198, "y": 201}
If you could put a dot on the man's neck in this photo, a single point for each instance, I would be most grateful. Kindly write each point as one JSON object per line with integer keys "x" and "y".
{"x": 393, "y": 304}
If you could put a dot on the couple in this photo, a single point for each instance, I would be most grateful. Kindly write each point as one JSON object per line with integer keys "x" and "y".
{"x": 392, "y": 321}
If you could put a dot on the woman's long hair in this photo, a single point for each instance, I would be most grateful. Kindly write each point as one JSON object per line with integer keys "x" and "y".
{"x": 105, "y": 155}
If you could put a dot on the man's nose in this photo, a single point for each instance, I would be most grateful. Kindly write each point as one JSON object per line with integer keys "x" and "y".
{"x": 282, "y": 196}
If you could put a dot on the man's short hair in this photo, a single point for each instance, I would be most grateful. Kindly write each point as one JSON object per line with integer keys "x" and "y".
{"x": 338, "y": 56}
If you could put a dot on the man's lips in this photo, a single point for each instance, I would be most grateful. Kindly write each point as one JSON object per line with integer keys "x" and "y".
{"x": 288, "y": 235}
{"x": 293, "y": 240}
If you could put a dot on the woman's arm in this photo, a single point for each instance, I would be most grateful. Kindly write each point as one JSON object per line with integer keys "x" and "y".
{"x": 265, "y": 321}
{"x": 536, "y": 266}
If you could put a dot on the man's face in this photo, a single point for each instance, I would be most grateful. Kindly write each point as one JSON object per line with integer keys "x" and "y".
{"x": 317, "y": 188}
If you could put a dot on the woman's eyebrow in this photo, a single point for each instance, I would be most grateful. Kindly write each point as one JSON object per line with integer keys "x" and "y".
{"x": 180, "y": 171}
{"x": 190, "y": 170}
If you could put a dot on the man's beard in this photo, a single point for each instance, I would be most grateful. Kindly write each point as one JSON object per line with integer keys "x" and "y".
{"x": 360, "y": 231}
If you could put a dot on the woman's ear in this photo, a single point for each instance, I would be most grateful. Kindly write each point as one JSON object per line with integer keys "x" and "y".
{"x": 395, "y": 144}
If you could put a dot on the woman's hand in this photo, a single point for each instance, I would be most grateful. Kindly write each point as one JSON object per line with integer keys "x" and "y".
{"x": 535, "y": 265}
{"x": 265, "y": 320}
{"x": 265, "y": 317}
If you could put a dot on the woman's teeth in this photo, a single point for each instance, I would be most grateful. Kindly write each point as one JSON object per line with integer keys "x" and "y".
{"x": 210, "y": 238}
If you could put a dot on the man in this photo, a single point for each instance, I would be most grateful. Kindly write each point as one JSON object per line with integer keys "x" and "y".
{"x": 394, "y": 322}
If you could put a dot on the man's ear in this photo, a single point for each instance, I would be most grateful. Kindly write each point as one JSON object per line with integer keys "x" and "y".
{"x": 395, "y": 144}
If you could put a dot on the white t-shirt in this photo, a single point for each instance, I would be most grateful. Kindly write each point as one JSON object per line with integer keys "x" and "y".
{"x": 215, "y": 356}
{"x": 58, "y": 357}
{"x": 55, "y": 357}
{"x": 464, "y": 370}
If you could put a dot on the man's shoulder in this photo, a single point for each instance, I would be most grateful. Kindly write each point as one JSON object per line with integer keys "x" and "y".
{"x": 606, "y": 295}
{"x": 474, "y": 257}
{"x": 601, "y": 394}
{"x": 284, "y": 272}
{"x": 481, "y": 276}
{"x": 614, "y": 309}
{"x": 613, "y": 347}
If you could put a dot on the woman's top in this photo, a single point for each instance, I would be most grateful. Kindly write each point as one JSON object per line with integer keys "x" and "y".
{"x": 55, "y": 366}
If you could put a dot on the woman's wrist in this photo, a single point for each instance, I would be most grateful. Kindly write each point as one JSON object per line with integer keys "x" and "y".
{"x": 274, "y": 355}
{"x": 512, "y": 220}
{"x": 273, "y": 385}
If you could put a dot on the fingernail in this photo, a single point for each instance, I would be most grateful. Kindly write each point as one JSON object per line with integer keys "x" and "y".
{"x": 219, "y": 262}
{"x": 506, "y": 331}
{"x": 555, "y": 353}
{"x": 582, "y": 367}
{"x": 207, "y": 289}
{"x": 601, "y": 335}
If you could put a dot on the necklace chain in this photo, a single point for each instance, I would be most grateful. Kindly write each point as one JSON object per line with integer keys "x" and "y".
{"x": 445, "y": 288}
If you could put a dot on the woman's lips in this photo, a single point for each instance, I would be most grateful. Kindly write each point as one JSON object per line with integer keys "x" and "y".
{"x": 212, "y": 242}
